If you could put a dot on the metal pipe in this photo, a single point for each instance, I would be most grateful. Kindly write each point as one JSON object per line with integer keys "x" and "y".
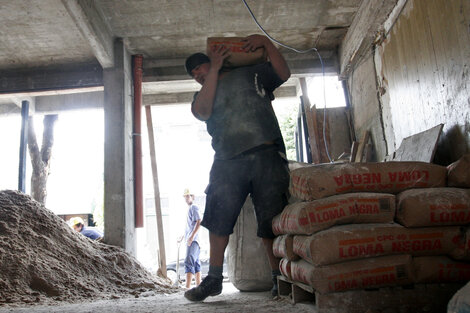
{"x": 137, "y": 136}
{"x": 23, "y": 145}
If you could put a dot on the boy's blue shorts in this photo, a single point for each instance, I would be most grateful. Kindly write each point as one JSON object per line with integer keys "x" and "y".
{"x": 192, "y": 263}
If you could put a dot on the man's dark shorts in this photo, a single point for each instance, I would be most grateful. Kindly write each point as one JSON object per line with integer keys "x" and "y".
{"x": 263, "y": 173}
{"x": 192, "y": 264}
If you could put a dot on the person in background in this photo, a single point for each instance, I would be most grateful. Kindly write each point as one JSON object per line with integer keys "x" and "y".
{"x": 78, "y": 225}
{"x": 249, "y": 150}
{"x": 192, "y": 264}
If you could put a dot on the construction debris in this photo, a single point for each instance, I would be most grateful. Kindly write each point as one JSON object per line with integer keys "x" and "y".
{"x": 44, "y": 261}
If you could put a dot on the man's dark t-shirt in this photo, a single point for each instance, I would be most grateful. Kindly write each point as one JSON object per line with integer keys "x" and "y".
{"x": 242, "y": 115}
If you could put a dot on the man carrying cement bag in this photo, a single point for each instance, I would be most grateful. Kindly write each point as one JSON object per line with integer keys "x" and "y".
{"x": 249, "y": 149}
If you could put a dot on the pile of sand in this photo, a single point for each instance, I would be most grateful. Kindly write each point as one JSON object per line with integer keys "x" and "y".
{"x": 43, "y": 260}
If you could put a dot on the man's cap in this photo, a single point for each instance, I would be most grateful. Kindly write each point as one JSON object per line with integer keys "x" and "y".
{"x": 76, "y": 220}
{"x": 194, "y": 60}
{"x": 187, "y": 193}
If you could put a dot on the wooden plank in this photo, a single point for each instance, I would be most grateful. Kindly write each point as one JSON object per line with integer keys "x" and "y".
{"x": 362, "y": 33}
{"x": 368, "y": 153}
{"x": 305, "y": 131}
{"x": 431, "y": 298}
{"x": 295, "y": 292}
{"x": 156, "y": 190}
{"x": 419, "y": 147}
{"x": 362, "y": 145}
{"x": 284, "y": 286}
{"x": 323, "y": 126}
{"x": 311, "y": 115}
{"x": 354, "y": 147}
{"x": 302, "y": 293}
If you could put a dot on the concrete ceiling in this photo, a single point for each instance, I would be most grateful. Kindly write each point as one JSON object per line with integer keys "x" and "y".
{"x": 40, "y": 39}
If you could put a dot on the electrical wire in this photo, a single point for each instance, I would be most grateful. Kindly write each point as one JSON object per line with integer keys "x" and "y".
{"x": 300, "y": 51}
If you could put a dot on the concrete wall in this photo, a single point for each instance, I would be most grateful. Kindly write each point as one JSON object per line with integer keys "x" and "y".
{"x": 422, "y": 79}
{"x": 366, "y": 108}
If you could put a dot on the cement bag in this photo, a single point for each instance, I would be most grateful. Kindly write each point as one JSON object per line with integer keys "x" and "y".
{"x": 292, "y": 166}
{"x": 310, "y": 217}
{"x": 356, "y": 241}
{"x": 463, "y": 253}
{"x": 248, "y": 265}
{"x": 238, "y": 56}
{"x": 283, "y": 247}
{"x": 361, "y": 274}
{"x": 458, "y": 173}
{"x": 285, "y": 268}
{"x": 433, "y": 207}
{"x": 440, "y": 269}
{"x": 323, "y": 180}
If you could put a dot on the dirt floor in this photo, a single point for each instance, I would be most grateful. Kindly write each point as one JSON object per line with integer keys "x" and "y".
{"x": 230, "y": 301}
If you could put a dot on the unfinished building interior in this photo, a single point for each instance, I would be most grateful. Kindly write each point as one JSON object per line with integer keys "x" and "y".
{"x": 401, "y": 145}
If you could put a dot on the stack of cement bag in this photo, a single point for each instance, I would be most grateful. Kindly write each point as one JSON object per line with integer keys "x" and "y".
{"x": 369, "y": 225}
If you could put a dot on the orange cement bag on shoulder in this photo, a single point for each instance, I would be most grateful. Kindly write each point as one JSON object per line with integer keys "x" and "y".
{"x": 238, "y": 56}
{"x": 360, "y": 241}
{"x": 283, "y": 247}
{"x": 310, "y": 217}
{"x": 433, "y": 207}
{"x": 369, "y": 273}
{"x": 440, "y": 269}
{"x": 323, "y": 180}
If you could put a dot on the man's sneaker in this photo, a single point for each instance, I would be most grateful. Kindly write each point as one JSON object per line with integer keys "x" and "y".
{"x": 210, "y": 286}
{"x": 274, "y": 290}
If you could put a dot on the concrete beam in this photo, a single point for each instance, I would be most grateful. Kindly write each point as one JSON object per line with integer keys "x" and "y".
{"x": 47, "y": 79}
{"x": 76, "y": 101}
{"x": 364, "y": 30}
{"x": 9, "y": 109}
{"x": 93, "y": 28}
{"x": 187, "y": 97}
{"x": 300, "y": 64}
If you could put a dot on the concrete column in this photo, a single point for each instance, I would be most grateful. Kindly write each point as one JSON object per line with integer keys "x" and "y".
{"x": 118, "y": 165}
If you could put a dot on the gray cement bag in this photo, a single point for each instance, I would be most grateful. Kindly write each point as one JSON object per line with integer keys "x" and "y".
{"x": 248, "y": 265}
